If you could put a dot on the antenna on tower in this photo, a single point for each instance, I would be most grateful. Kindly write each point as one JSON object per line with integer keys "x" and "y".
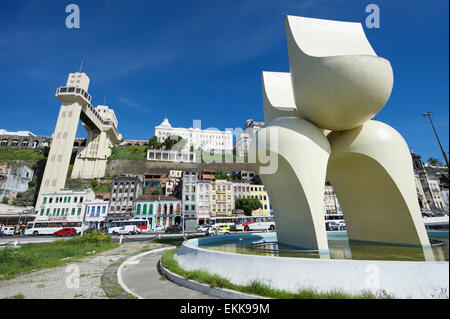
{"x": 81, "y": 66}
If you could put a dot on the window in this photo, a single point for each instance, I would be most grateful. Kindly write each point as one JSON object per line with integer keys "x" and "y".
{"x": 48, "y": 211}
{"x": 45, "y": 200}
{"x": 103, "y": 209}
{"x": 98, "y": 211}
{"x": 73, "y": 211}
{"x": 75, "y": 199}
{"x": 42, "y": 212}
{"x": 79, "y": 211}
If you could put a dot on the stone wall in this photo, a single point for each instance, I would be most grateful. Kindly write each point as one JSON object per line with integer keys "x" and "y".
{"x": 118, "y": 167}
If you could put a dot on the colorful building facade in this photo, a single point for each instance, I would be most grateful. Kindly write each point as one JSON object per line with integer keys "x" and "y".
{"x": 221, "y": 198}
{"x": 64, "y": 205}
{"x": 96, "y": 213}
{"x": 162, "y": 211}
{"x": 259, "y": 192}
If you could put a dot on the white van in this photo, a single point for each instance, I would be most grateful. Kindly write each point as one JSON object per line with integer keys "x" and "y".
{"x": 7, "y": 231}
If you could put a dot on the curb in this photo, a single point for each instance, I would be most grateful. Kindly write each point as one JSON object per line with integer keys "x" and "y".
{"x": 132, "y": 261}
{"x": 205, "y": 289}
{"x": 109, "y": 277}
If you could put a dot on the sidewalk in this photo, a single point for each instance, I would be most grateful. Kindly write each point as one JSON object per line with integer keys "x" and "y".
{"x": 144, "y": 280}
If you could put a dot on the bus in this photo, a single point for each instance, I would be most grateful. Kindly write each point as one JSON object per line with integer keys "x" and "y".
{"x": 338, "y": 218}
{"x": 222, "y": 221}
{"x": 142, "y": 224}
{"x": 254, "y": 223}
{"x": 48, "y": 228}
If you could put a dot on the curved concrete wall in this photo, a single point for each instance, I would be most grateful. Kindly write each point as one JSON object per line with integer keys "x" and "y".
{"x": 400, "y": 279}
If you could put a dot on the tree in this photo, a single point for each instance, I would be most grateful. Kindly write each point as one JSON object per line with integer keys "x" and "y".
{"x": 180, "y": 143}
{"x": 221, "y": 175}
{"x": 434, "y": 162}
{"x": 45, "y": 151}
{"x": 94, "y": 184}
{"x": 154, "y": 144}
{"x": 156, "y": 192}
{"x": 247, "y": 205}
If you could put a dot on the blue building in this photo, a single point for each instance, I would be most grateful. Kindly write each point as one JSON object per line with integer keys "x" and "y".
{"x": 159, "y": 210}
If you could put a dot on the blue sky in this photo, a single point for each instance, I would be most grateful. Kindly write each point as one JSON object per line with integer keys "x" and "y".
{"x": 202, "y": 59}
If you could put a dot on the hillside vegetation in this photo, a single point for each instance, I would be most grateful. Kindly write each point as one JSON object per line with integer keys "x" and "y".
{"x": 10, "y": 154}
{"x": 135, "y": 152}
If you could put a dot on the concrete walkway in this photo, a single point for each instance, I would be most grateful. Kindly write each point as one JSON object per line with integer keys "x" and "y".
{"x": 141, "y": 277}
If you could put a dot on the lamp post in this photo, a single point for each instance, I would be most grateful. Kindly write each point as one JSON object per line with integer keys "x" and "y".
{"x": 428, "y": 114}
{"x": 182, "y": 224}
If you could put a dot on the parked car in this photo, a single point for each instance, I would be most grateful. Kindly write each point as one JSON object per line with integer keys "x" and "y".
{"x": 332, "y": 226}
{"x": 159, "y": 228}
{"x": 428, "y": 214}
{"x": 203, "y": 228}
{"x": 65, "y": 232}
{"x": 216, "y": 231}
{"x": 176, "y": 229}
{"x": 128, "y": 229}
{"x": 7, "y": 231}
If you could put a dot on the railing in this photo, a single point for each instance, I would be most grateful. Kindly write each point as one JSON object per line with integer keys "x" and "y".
{"x": 87, "y": 97}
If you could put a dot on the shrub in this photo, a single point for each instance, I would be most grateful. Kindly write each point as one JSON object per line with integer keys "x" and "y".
{"x": 12, "y": 255}
{"x": 94, "y": 237}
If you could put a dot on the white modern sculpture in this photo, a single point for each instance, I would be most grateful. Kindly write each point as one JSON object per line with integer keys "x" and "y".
{"x": 321, "y": 114}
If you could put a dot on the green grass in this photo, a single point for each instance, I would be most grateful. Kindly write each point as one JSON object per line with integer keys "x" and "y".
{"x": 255, "y": 287}
{"x": 19, "y": 296}
{"x": 135, "y": 152}
{"x": 10, "y": 154}
{"x": 103, "y": 188}
{"x": 29, "y": 257}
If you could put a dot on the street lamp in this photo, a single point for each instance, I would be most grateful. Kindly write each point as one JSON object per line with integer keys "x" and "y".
{"x": 435, "y": 133}
{"x": 182, "y": 225}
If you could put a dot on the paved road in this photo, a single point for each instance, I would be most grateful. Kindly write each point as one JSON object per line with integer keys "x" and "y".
{"x": 143, "y": 279}
{"x": 45, "y": 239}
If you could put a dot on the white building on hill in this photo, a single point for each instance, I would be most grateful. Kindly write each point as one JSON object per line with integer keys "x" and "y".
{"x": 197, "y": 138}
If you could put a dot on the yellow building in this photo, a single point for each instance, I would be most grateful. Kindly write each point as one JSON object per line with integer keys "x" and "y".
{"x": 221, "y": 201}
{"x": 259, "y": 192}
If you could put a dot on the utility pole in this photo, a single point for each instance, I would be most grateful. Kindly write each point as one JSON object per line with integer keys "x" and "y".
{"x": 437, "y": 137}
